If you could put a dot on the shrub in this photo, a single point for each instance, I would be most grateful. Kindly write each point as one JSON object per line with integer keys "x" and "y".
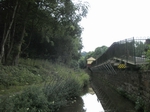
{"x": 13, "y": 76}
{"x": 61, "y": 84}
{"x": 6, "y": 104}
{"x": 31, "y": 99}
{"x": 58, "y": 92}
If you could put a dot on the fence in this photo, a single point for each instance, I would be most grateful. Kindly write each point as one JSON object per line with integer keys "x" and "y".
{"x": 132, "y": 50}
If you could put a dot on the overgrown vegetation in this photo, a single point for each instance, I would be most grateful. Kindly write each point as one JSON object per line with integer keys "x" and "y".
{"x": 45, "y": 86}
{"x": 44, "y": 29}
{"x": 140, "y": 104}
{"x": 36, "y": 29}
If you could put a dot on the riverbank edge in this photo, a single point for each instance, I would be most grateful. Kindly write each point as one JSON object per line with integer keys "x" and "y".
{"x": 48, "y": 86}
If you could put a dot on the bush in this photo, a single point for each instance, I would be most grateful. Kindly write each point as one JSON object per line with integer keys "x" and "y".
{"x": 13, "y": 76}
{"x": 59, "y": 86}
{"x": 139, "y": 104}
{"x": 31, "y": 99}
{"x": 62, "y": 89}
{"x": 6, "y": 104}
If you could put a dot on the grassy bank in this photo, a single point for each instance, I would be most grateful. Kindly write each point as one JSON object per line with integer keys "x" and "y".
{"x": 39, "y": 86}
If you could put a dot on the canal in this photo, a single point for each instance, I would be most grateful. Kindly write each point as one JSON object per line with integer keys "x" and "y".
{"x": 88, "y": 102}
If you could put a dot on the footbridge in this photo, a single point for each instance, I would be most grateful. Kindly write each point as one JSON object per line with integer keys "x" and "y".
{"x": 117, "y": 79}
{"x": 124, "y": 54}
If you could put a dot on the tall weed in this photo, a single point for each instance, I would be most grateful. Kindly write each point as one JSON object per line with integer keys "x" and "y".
{"x": 59, "y": 84}
{"x": 17, "y": 76}
{"x": 31, "y": 99}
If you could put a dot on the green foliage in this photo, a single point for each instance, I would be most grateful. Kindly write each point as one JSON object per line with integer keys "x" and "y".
{"x": 148, "y": 53}
{"x": 6, "y": 104}
{"x": 13, "y": 76}
{"x": 82, "y": 62}
{"x": 147, "y": 56}
{"x": 139, "y": 104}
{"x": 31, "y": 99}
{"x": 122, "y": 91}
{"x": 99, "y": 51}
{"x": 140, "y": 48}
{"x": 67, "y": 84}
{"x": 40, "y": 27}
{"x": 74, "y": 64}
{"x": 84, "y": 79}
{"x": 59, "y": 86}
{"x": 95, "y": 54}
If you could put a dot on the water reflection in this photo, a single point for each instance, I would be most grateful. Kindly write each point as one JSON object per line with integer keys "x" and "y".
{"x": 91, "y": 102}
{"x": 74, "y": 107}
{"x": 86, "y": 103}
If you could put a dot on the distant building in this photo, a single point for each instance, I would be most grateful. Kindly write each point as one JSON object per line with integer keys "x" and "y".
{"x": 89, "y": 61}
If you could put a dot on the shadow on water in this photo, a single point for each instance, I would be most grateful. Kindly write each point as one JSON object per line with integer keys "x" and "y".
{"x": 88, "y": 102}
{"x": 74, "y": 107}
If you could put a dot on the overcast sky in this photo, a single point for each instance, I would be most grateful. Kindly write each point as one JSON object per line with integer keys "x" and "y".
{"x": 109, "y": 21}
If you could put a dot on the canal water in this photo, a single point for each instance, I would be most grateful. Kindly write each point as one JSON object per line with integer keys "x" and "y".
{"x": 88, "y": 102}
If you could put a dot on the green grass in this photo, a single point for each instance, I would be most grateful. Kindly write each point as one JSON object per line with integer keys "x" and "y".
{"x": 53, "y": 85}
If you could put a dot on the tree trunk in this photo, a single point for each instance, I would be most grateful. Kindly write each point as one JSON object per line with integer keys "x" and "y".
{"x": 11, "y": 44}
{"x": 18, "y": 49}
{"x": 19, "y": 44}
{"x": 7, "y": 57}
{"x": 5, "y": 36}
{"x": 31, "y": 32}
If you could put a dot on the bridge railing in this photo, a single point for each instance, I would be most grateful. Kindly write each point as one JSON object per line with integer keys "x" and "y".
{"x": 131, "y": 50}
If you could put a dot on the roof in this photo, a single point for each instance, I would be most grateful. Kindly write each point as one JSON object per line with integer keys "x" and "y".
{"x": 91, "y": 59}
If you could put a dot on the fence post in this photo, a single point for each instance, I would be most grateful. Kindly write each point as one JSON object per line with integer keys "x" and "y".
{"x": 126, "y": 51}
{"x": 134, "y": 51}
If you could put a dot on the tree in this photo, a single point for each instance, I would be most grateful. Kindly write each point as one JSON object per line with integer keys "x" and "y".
{"x": 140, "y": 48}
{"x": 95, "y": 54}
{"x": 7, "y": 22}
{"x": 99, "y": 51}
{"x": 37, "y": 28}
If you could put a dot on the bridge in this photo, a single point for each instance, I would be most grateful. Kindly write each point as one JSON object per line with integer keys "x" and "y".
{"x": 124, "y": 54}
{"x": 117, "y": 78}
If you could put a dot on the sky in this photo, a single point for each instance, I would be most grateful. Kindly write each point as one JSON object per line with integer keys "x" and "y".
{"x": 109, "y": 21}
